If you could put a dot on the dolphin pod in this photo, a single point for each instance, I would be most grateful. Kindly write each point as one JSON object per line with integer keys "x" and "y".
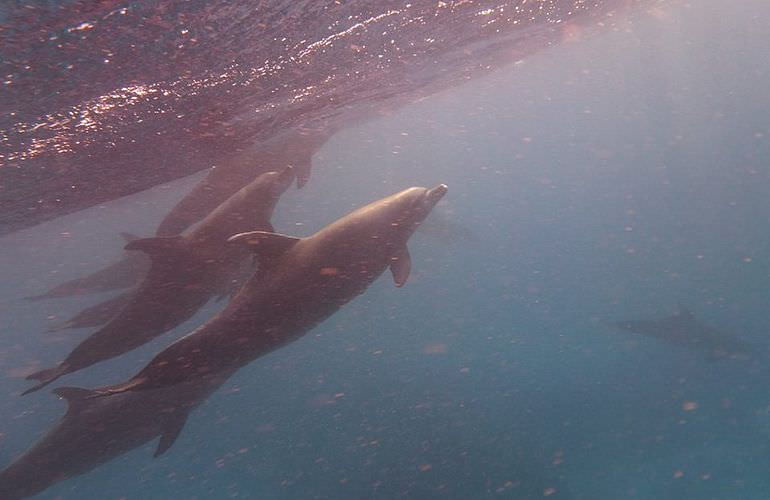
{"x": 186, "y": 271}
{"x": 299, "y": 283}
{"x": 293, "y": 148}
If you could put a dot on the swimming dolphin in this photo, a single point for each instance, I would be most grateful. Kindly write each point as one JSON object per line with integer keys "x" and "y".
{"x": 97, "y": 314}
{"x": 300, "y": 282}
{"x": 94, "y": 431}
{"x": 295, "y": 148}
{"x": 186, "y": 272}
{"x": 682, "y": 329}
{"x": 124, "y": 273}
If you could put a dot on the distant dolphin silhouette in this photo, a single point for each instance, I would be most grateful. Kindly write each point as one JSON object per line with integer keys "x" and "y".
{"x": 97, "y": 314}
{"x": 300, "y": 282}
{"x": 186, "y": 272}
{"x": 682, "y": 329}
{"x": 124, "y": 273}
{"x": 94, "y": 431}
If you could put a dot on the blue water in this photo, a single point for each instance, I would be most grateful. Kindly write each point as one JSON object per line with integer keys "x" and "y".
{"x": 603, "y": 179}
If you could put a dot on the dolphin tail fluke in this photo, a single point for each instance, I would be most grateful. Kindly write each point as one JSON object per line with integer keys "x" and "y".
{"x": 45, "y": 377}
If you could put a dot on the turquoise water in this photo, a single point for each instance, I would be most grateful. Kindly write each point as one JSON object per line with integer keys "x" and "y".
{"x": 604, "y": 179}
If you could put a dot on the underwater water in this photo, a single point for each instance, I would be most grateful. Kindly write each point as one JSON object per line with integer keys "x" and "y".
{"x": 620, "y": 176}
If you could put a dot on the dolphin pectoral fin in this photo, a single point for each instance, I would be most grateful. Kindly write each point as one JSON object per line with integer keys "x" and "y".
{"x": 264, "y": 243}
{"x": 45, "y": 377}
{"x": 157, "y": 246}
{"x": 401, "y": 266}
{"x": 171, "y": 430}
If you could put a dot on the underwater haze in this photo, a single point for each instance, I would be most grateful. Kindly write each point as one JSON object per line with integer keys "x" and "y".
{"x": 585, "y": 316}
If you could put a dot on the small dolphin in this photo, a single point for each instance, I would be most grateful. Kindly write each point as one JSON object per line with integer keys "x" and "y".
{"x": 294, "y": 148}
{"x": 682, "y": 329}
{"x": 94, "y": 431}
{"x": 300, "y": 282}
{"x": 124, "y": 273}
{"x": 186, "y": 272}
{"x": 96, "y": 315}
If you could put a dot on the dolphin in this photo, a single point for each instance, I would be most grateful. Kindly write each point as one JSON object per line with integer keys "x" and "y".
{"x": 97, "y": 314}
{"x": 124, "y": 273}
{"x": 299, "y": 283}
{"x": 684, "y": 330}
{"x": 94, "y": 431}
{"x": 294, "y": 148}
{"x": 186, "y": 272}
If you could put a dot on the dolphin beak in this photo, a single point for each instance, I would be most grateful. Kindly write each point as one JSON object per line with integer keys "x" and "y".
{"x": 435, "y": 194}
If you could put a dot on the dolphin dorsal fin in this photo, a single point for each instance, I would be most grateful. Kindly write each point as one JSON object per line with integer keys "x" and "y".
{"x": 154, "y": 247}
{"x": 264, "y": 243}
{"x": 170, "y": 431}
{"x": 401, "y": 266}
{"x": 76, "y": 397}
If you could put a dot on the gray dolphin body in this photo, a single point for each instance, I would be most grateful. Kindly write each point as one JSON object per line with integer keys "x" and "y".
{"x": 682, "y": 329}
{"x": 94, "y": 431}
{"x": 97, "y": 314}
{"x": 124, "y": 273}
{"x": 186, "y": 272}
{"x": 294, "y": 149}
{"x": 301, "y": 282}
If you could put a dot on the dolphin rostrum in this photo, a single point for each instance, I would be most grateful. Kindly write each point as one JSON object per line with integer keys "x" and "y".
{"x": 186, "y": 272}
{"x": 300, "y": 282}
{"x": 682, "y": 329}
{"x": 94, "y": 431}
